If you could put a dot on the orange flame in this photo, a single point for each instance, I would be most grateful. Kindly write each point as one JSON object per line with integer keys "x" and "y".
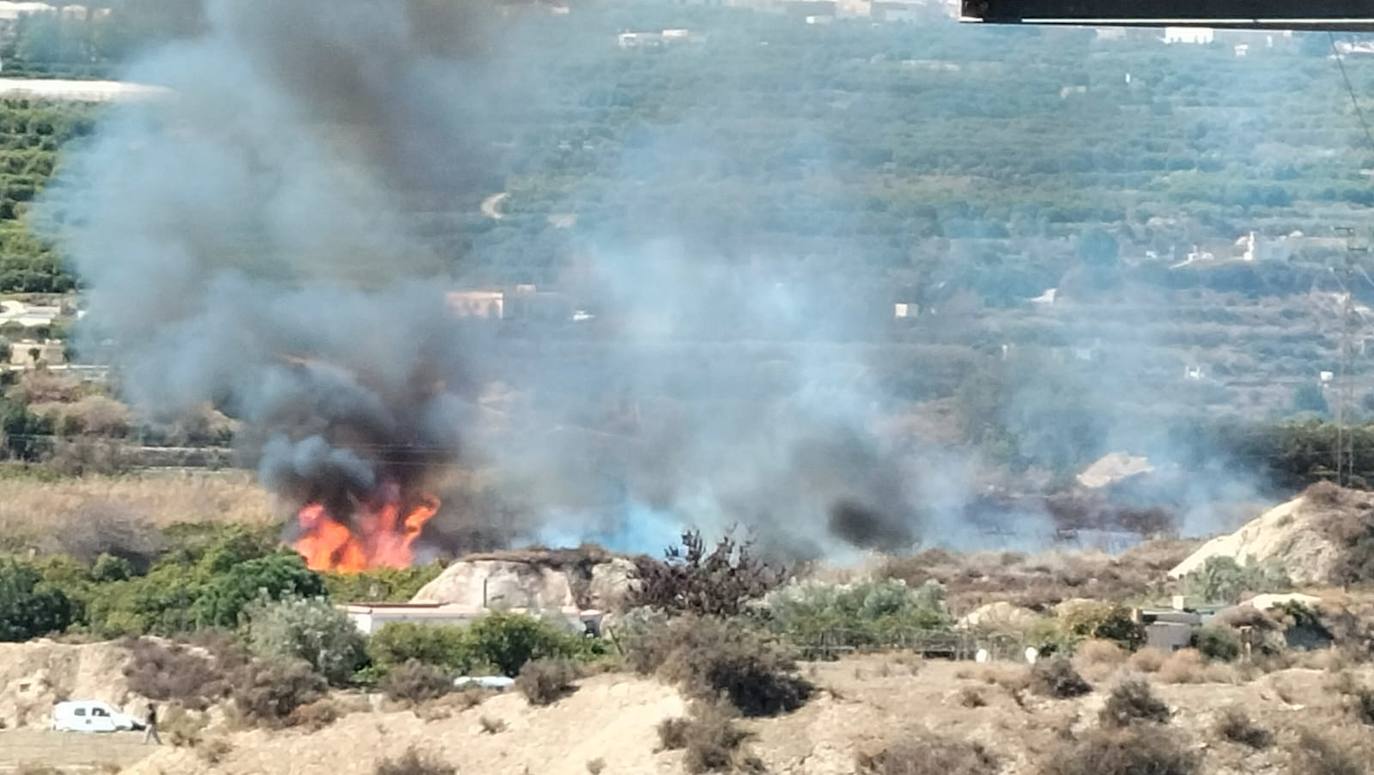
{"x": 381, "y": 535}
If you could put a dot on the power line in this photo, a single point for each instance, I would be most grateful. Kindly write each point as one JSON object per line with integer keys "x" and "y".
{"x": 1350, "y": 90}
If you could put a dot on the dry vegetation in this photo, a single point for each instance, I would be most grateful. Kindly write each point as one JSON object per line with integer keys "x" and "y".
{"x": 41, "y": 513}
{"x": 1039, "y": 581}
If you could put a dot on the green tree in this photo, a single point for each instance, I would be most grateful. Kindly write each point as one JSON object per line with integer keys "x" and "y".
{"x": 310, "y": 629}
{"x": 29, "y": 606}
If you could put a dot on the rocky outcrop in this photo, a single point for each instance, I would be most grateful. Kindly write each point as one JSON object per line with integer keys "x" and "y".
{"x": 537, "y": 580}
{"x": 37, "y": 674}
{"x": 1298, "y": 535}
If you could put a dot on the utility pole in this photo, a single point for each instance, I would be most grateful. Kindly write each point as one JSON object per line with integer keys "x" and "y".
{"x": 1345, "y": 383}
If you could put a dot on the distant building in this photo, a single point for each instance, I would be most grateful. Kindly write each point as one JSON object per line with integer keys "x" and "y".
{"x": 489, "y": 305}
{"x": 1110, "y": 33}
{"x": 1198, "y": 36}
{"x": 639, "y": 39}
{"x": 1242, "y": 50}
{"x": 903, "y": 310}
{"x": 28, "y": 353}
{"x": 27, "y": 315}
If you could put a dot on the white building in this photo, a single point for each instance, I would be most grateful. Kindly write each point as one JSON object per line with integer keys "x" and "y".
{"x": 371, "y": 617}
{"x": 27, "y": 315}
{"x": 1198, "y": 36}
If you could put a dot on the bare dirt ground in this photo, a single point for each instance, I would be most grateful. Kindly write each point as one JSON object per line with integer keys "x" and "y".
{"x": 70, "y": 751}
{"x": 865, "y": 704}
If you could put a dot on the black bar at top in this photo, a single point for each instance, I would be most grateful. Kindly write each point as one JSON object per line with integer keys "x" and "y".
{"x": 1284, "y": 14}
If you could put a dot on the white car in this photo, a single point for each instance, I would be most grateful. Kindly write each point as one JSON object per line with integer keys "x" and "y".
{"x": 92, "y": 716}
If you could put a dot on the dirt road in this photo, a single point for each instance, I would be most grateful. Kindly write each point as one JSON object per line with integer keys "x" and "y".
{"x": 70, "y": 751}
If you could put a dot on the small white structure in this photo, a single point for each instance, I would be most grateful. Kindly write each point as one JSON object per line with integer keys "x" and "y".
{"x": 28, "y": 353}
{"x": 639, "y": 39}
{"x": 904, "y": 309}
{"x": 1197, "y": 36}
{"x": 371, "y": 617}
{"x": 28, "y": 315}
{"x": 1242, "y": 50}
{"x": 91, "y": 716}
{"x": 1047, "y": 298}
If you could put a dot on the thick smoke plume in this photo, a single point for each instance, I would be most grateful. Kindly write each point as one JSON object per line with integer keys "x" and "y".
{"x": 250, "y": 243}
{"x": 244, "y": 243}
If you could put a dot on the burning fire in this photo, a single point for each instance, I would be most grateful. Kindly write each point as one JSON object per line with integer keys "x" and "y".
{"x": 379, "y": 535}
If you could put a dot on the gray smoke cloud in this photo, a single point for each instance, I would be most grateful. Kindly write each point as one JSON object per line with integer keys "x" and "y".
{"x": 251, "y": 243}
{"x": 274, "y": 240}
{"x": 244, "y": 243}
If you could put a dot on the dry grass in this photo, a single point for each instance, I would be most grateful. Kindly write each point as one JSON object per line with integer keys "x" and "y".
{"x": 1099, "y": 659}
{"x": 1185, "y": 666}
{"x": 1233, "y": 724}
{"x": 1013, "y": 678}
{"x": 1148, "y": 660}
{"x": 1099, "y": 652}
{"x": 928, "y": 754}
{"x": 32, "y": 508}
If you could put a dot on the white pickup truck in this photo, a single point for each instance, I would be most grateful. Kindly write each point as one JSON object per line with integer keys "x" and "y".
{"x": 91, "y": 716}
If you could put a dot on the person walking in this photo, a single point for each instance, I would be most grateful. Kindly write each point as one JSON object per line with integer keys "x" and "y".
{"x": 150, "y": 726}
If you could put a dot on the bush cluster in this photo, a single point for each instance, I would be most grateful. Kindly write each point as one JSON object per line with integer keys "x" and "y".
{"x": 545, "y": 681}
{"x": 416, "y": 682}
{"x": 1223, "y": 580}
{"x": 308, "y": 629}
{"x": 1058, "y": 679}
{"x": 499, "y": 642}
{"x": 1135, "y": 750}
{"x": 711, "y": 658}
{"x": 929, "y": 754}
{"x": 862, "y": 614}
{"x": 1133, "y": 701}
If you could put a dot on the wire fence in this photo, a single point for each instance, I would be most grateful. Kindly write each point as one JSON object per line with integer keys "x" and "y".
{"x": 929, "y": 643}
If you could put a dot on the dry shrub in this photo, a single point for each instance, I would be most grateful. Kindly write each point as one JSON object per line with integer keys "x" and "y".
{"x": 1100, "y": 652}
{"x": 1056, "y": 678}
{"x": 1315, "y": 754}
{"x": 1233, "y": 724}
{"x": 546, "y": 681}
{"x": 37, "y": 769}
{"x": 1147, "y": 660}
{"x": 713, "y": 740}
{"x": 98, "y": 527}
{"x": 1185, "y": 666}
{"x": 413, "y": 762}
{"x": 1013, "y": 678}
{"x": 172, "y": 672}
{"x": 709, "y": 657}
{"x": 214, "y": 751}
{"x": 1360, "y": 703}
{"x": 1135, "y": 750}
{"x": 595, "y": 766}
{"x": 416, "y": 682}
{"x": 1132, "y": 701}
{"x": 491, "y": 726}
{"x": 929, "y": 754}
{"x": 315, "y": 716}
{"x": 970, "y": 697}
{"x": 702, "y": 580}
{"x": 457, "y": 702}
{"x": 182, "y": 727}
{"x": 268, "y": 693}
{"x": 672, "y": 733}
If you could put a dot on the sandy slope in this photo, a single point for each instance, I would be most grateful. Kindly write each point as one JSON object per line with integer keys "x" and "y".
{"x": 1295, "y": 534}
{"x": 611, "y": 717}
